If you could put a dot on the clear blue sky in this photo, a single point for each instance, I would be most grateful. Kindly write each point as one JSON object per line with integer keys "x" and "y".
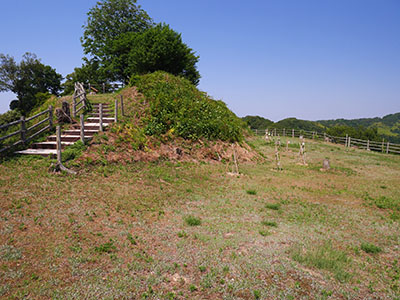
{"x": 310, "y": 59}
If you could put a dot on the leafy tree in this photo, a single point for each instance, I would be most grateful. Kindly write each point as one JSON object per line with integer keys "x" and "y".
{"x": 90, "y": 72}
{"x": 27, "y": 80}
{"x": 108, "y": 20}
{"x": 157, "y": 48}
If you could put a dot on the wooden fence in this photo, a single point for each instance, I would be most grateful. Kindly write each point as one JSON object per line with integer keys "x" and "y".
{"x": 26, "y": 130}
{"x": 347, "y": 141}
{"x": 79, "y": 100}
{"x": 103, "y": 87}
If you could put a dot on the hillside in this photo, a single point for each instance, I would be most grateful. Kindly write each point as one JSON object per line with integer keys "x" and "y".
{"x": 179, "y": 230}
{"x": 387, "y": 127}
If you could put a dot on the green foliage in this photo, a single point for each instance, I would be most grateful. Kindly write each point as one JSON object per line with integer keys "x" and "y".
{"x": 107, "y": 20}
{"x": 90, "y": 72}
{"x": 273, "y": 206}
{"x": 269, "y": 223}
{"x": 358, "y": 132}
{"x": 178, "y": 108}
{"x": 157, "y": 48}
{"x": 251, "y": 192}
{"x": 106, "y": 247}
{"x": 370, "y": 248}
{"x": 29, "y": 80}
{"x": 192, "y": 221}
{"x": 73, "y": 151}
{"x": 9, "y": 116}
{"x": 257, "y": 122}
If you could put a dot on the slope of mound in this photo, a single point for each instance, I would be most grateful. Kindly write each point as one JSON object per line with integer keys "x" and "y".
{"x": 179, "y": 107}
{"x": 166, "y": 117}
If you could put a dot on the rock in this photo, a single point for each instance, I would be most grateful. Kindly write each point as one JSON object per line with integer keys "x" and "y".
{"x": 326, "y": 165}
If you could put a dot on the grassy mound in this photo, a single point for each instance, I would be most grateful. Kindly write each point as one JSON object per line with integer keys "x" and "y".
{"x": 179, "y": 108}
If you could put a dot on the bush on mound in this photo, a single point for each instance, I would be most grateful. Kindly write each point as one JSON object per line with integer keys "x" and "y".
{"x": 179, "y": 108}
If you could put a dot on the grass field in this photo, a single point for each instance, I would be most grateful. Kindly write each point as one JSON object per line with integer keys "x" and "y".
{"x": 171, "y": 230}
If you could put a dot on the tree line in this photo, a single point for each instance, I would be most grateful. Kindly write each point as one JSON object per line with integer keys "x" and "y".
{"x": 364, "y": 129}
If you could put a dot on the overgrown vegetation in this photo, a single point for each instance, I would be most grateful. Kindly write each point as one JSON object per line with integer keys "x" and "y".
{"x": 178, "y": 108}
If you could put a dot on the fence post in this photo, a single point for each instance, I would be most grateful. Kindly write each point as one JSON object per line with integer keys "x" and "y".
{"x": 101, "y": 117}
{"x": 58, "y": 144}
{"x": 292, "y": 133}
{"x": 383, "y": 144}
{"x": 122, "y": 106}
{"x": 256, "y": 131}
{"x": 82, "y": 129}
{"x": 284, "y": 131}
{"x": 368, "y": 145}
{"x": 116, "y": 111}
{"x": 347, "y": 138}
{"x": 387, "y": 148}
{"x": 349, "y": 142}
{"x": 23, "y": 130}
{"x": 74, "y": 106}
{"x": 51, "y": 117}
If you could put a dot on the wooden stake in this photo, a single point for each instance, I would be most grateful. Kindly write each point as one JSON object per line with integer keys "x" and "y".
{"x": 59, "y": 165}
{"x": 116, "y": 111}
{"x": 82, "y": 129}
{"x": 101, "y": 117}
{"x": 51, "y": 117}
{"x": 122, "y": 106}
{"x": 23, "y": 130}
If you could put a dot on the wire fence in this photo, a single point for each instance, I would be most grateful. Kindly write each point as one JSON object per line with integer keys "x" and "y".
{"x": 347, "y": 141}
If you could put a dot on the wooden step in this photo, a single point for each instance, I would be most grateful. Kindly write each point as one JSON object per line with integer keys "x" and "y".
{"x": 90, "y": 126}
{"x": 97, "y": 120}
{"x": 50, "y": 145}
{"x": 88, "y": 132}
{"x": 94, "y": 115}
{"x": 66, "y": 138}
{"x": 41, "y": 152}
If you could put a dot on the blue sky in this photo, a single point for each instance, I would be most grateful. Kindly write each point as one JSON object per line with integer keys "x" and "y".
{"x": 310, "y": 59}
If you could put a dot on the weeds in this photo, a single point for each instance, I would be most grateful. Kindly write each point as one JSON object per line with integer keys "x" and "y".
{"x": 192, "y": 221}
{"x": 269, "y": 223}
{"x": 324, "y": 257}
{"x": 370, "y": 248}
{"x": 251, "y": 192}
{"x": 273, "y": 206}
{"x": 106, "y": 248}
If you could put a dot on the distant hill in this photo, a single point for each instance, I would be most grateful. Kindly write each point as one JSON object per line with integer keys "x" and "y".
{"x": 387, "y": 128}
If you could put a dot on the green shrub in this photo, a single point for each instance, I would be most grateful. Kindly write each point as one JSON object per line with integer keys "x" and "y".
{"x": 251, "y": 192}
{"x": 269, "y": 223}
{"x": 192, "y": 221}
{"x": 177, "y": 107}
{"x": 370, "y": 248}
{"x": 273, "y": 206}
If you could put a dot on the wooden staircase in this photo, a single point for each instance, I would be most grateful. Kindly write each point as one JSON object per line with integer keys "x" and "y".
{"x": 71, "y": 136}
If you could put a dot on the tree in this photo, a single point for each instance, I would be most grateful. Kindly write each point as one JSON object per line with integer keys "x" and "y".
{"x": 157, "y": 48}
{"x": 90, "y": 72}
{"x": 28, "y": 79}
{"x": 107, "y": 21}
